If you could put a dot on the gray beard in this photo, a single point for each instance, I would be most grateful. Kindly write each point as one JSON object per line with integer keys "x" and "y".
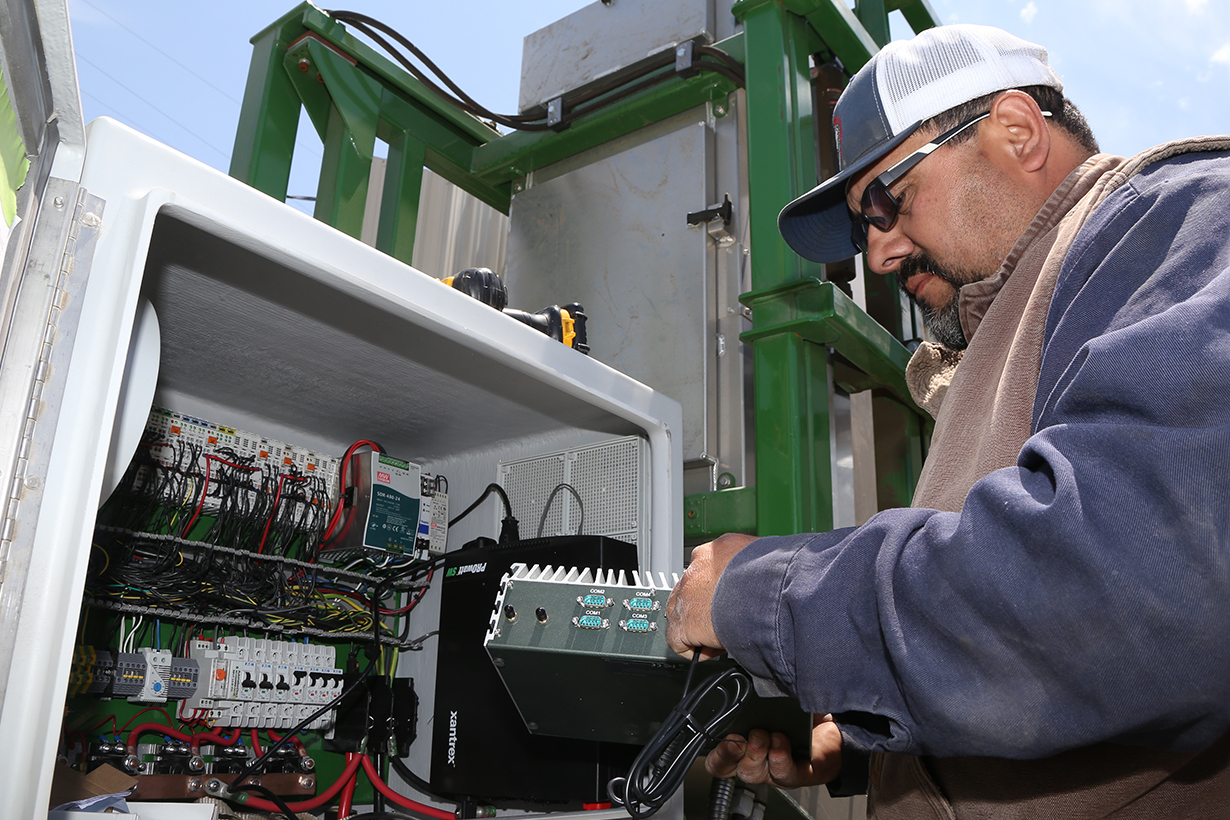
{"x": 943, "y": 322}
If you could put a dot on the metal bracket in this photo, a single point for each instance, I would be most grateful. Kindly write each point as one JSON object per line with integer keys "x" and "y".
{"x": 683, "y": 59}
{"x": 555, "y": 114}
{"x": 716, "y": 221}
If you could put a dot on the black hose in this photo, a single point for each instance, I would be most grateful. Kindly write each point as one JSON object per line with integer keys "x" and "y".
{"x": 721, "y": 793}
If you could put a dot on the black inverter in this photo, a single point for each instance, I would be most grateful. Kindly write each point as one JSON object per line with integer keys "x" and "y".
{"x": 481, "y": 750}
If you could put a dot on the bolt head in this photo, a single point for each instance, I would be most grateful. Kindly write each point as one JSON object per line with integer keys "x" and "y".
{"x": 304, "y": 65}
{"x": 59, "y": 202}
{"x": 307, "y": 781}
{"x": 195, "y": 784}
{"x": 196, "y": 763}
{"x": 307, "y": 764}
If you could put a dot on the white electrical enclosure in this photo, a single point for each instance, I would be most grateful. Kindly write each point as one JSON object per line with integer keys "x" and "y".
{"x": 273, "y": 322}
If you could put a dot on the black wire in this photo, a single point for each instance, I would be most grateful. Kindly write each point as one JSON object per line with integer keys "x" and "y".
{"x": 269, "y": 793}
{"x": 662, "y": 764}
{"x": 381, "y": 815}
{"x": 547, "y": 508}
{"x": 414, "y": 780}
{"x": 490, "y": 489}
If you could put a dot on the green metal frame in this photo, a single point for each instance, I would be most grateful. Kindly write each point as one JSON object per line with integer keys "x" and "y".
{"x": 807, "y": 335}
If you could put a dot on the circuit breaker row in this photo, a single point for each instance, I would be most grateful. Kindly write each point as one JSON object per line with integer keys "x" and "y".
{"x": 264, "y": 684}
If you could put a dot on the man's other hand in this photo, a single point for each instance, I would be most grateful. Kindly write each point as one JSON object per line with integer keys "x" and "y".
{"x": 765, "y": 758}
{"x": 689, "y": 610}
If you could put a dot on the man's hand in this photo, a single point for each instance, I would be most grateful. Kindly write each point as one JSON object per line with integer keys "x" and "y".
{"x": 689, "y": 610}
{"x": 765, "y": 758}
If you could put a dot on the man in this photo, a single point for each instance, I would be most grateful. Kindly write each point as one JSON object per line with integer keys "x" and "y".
{"x": 1046, "y": 632}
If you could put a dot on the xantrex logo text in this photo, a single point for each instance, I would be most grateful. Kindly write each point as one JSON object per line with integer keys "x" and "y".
{"x": 452, "y": 739}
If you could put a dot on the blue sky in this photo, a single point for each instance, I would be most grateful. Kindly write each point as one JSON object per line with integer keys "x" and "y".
{"x": 1143, "y": 71}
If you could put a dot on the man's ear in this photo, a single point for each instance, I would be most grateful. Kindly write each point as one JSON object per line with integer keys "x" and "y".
{"x": 1017, "y": 132}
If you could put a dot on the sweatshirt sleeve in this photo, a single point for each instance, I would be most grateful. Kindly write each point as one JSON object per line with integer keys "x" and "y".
{"x": 1078, "y": 597}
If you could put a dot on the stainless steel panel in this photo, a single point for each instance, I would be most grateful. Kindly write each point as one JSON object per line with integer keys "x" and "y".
{"x": 613, "y": 235}
{"x": 600, "y": 39}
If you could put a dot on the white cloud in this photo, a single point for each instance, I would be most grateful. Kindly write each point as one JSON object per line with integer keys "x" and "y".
{"x": 1185, "y": 104}
{"x": 1031, "y": 11}
{"x": 1222, "y": 55}
{"x": 1195, "y": 6}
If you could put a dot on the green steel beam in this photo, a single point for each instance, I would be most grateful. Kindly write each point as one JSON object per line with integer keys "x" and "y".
{"x": 514, "y": 155}
{"x": 328, "y": 70}
{"x": 918, "y": 13}
{"x": 269, "y": 116}
{"x": 708, "y": 515}
{"x": 874, "y": 17}
{"x": 842, "y": 32}
{"x": 821, "y": 313}
{"x": 403, "y": 182}
{"x": 344, "y": 174}
{"x": 791, "y": 378}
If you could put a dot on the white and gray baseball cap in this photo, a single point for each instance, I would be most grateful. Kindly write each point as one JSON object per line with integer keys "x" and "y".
{"x": 906, "y": 83}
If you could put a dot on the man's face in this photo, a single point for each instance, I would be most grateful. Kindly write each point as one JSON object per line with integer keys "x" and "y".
{"x": 954, "y": 226}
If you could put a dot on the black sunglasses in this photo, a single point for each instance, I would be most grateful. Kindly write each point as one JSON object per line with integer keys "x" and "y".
{"x": 879, "y": 207}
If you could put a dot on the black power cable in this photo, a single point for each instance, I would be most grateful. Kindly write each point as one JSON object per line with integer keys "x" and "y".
{"x": 509, "y": 529}
{"x": 693, "y": 727}
{"x": 420, "y": 785}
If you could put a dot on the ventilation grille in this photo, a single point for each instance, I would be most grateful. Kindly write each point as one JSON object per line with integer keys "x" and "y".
{"x": 607, "y": 477}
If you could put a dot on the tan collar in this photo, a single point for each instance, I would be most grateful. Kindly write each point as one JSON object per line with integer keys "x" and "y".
{"x": 975, "y": 298}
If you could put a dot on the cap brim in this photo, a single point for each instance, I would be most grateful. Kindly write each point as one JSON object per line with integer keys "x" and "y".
{"x": 817, "y": 225}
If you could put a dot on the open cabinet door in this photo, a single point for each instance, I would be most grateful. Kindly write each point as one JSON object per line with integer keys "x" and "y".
{"x": 48, "y": 229}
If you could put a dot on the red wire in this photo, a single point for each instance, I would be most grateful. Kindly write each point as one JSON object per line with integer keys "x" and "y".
{"x": 143, "y": 711}
{"x": 205, "y": 488}
{"x": 400, "y": 799}
{"x": 416, "y": 600}
{"x": 276, "y": 497}
{"x": 341, "y": 482}
{"x": 345, "y": 802}
{"x": 276, "y": 738}
{"x": 217, "y": 739}
{"x": 256, "y": 743}
{"x": 154, "y": 727}
{"x": 319, "y": 800}
{"x": 111, "y": 718}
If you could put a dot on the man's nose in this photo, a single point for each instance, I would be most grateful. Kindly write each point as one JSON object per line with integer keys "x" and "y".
{"x": 887, "y": 249}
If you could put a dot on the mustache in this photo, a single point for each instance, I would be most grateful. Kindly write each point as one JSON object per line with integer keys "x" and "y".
{"x": 923, "y": 263}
